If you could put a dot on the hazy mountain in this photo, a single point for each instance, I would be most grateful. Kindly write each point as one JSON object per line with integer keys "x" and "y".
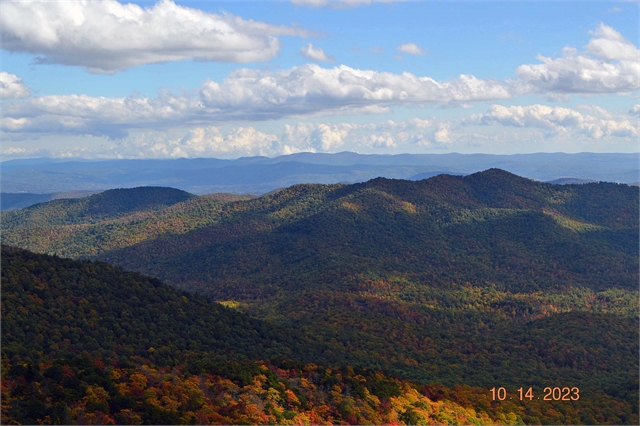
{"x": 427, "y": 175}
{"x": 570, "y": 181}
{"x": 262, "y": 174}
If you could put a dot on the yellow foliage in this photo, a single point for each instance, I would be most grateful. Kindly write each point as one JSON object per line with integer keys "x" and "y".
{"x": 138, "y": 380}
{"x": 408, "y": 207}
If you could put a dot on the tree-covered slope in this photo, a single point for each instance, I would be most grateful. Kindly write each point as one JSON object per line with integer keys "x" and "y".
{"x": 491, "y": 227}
{"x": 88, "y": 343}
{"x": 56, "y": 306}
{"x": 110, "y": 220}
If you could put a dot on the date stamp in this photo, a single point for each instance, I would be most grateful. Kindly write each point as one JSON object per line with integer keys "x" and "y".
{"x": 549, "y": 394}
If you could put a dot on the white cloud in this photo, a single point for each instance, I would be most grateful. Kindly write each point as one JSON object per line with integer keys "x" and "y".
{"x": 611, "y": 45}
{"x": 534, "y": 127}
{"x": 310, "y": 88}
{"x": 12, "y": 87}
{"x": 609, "y": 65}
{"x": 211, "y": 141}
{"x": 257, "y": 95}
{"x": 556, "y": 121}
{"x": 635, "y": 110}
{"x": 316, "y": 54}
{"x": 317, "y": 137}
{"x": 108, "y": 36}
{"x": 441, "y": 134}
{"x": 113, "y": 117}
{"x": 201, "y": 142}
{"x": 411, "y": 49}
{"x": 333, "y": 137}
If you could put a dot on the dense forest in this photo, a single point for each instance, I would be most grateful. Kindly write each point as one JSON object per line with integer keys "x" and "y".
{"x": 459, "y": 284}
{"x": 89, "y": 343}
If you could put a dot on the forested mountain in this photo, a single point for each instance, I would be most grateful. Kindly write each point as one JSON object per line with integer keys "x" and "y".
{"x": 103, "y": 206}
{"x": 88, "y": 343}
{"x": 485, "y": 280}
{"x": 112, "y": 219}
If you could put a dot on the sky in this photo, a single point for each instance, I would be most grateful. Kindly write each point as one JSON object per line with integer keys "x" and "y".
{"x": 185, "y": 79}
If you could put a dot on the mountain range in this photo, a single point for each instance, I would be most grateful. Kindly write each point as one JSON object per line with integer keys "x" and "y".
{"x": 258, "y": 175}
{"x": 483, "y": 280}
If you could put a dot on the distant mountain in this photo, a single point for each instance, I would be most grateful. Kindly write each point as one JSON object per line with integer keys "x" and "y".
{"x": 12, "y": 201}
{"x": 258, "y": 175}
{"x": 570, "y": 181}
{"x": 427, "y": 175}
{"x": 476, "y": 280}
{"x": 105, "y": 205}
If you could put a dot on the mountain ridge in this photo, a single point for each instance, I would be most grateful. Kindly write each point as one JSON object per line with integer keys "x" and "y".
{"x": 262, "y": 174}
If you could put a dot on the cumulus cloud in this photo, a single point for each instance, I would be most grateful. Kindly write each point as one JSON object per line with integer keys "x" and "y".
{"x": 108, "y": 36}
{"x": 316, "y": 137}
{"x": 256, "y": 95}
{"x": 556, "y": 121}
{"x": 212, "y": 141}
{"x": 12, "y": 87}
{"x": 411, "y": 49}
{"x": 609, "y": 44}
{"x": 316, "y": 54}
{"x": 201, "y": 142}
{"x": 98, "y": 116}
{"x": 635, "y": 110}
{"x": 441, "y": 134}
{"x": 310, "y": 88}
{"x": 332, "y": 137}
{"x": 610, "y": 64}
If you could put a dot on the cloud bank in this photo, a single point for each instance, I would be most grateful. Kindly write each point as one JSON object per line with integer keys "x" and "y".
{"x": 108, "y": 36}
{"x": 246, "y": 95}
{"x": 556, "y": 121}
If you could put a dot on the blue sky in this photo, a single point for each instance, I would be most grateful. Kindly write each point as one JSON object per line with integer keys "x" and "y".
{"x": 110, "y": 79}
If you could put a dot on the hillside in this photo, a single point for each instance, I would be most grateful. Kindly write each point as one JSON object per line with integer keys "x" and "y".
{"x": 88, "y": 343}
{"x": 479, "y": 280}
{"x": 113, "y": 219}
